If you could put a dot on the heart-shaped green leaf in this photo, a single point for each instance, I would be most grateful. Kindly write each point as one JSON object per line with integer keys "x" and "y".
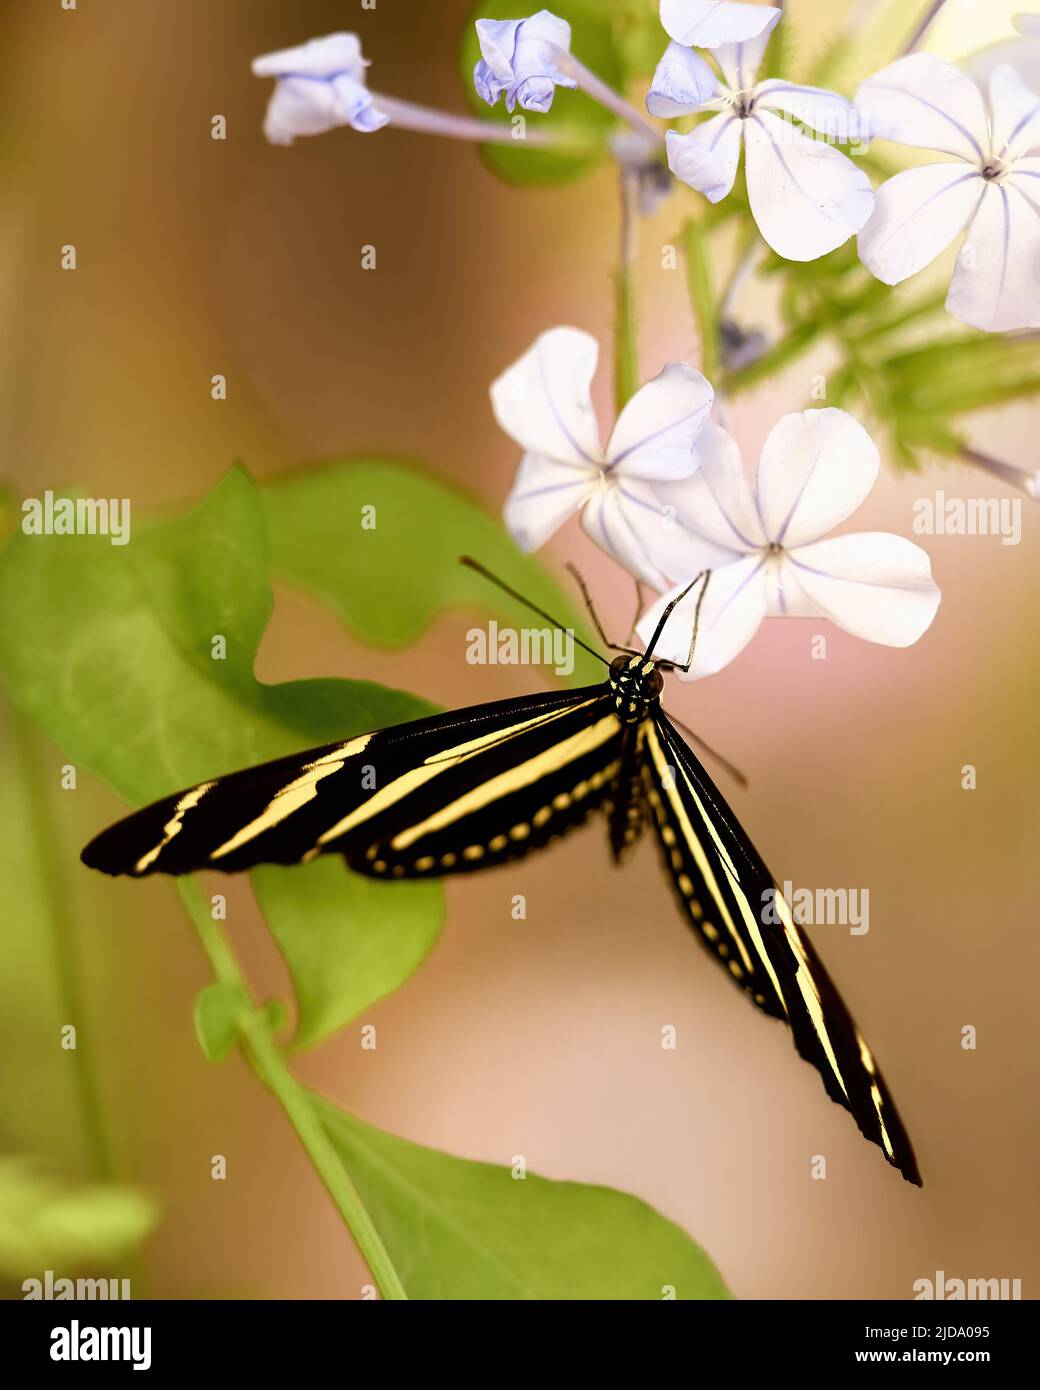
{"x": 336, "y": 938}
{"x": 379, "y": 543}
{"x": 137, "y": 660}
{"x": 456, "y": 1229}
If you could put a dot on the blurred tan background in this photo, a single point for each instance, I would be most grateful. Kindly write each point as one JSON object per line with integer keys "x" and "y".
{"x": 538, "y": 1038}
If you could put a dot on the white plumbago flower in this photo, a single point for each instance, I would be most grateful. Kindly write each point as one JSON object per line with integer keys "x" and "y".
{"x": 321, "y": 85}
{"x": 543, "y": 402}
{"x": 712, "y": 23}
{"x": 806, "y": 196}
{"x": 990, "y": 183}
{"x": 766, "y": 549}
{"x": 519, "y": 60}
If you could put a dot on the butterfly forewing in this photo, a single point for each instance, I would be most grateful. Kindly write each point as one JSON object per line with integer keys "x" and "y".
{"x": 741, "y": 916}
{"x": 434, "y": 796}
{"x": 513, "y": 795}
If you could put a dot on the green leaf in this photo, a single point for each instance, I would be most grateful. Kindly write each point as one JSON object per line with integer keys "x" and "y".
{"x": 573, "y": 113}
{"x": 50, "y": 1222}
{"x": 456, "y": 1229}
{"x": 320, "y": 545}
{"x": 966, "y": 372}
{"x": 925, "y": 391}
{"x": 52, "y": 1103}
{"x": 880, "y": 36}
{"x": 111, "y": 650}
{"x": 639, "y": 40}
{"x": 277, "y": 1015}
{"x": 351, "y": 941}
{"x": 218, "y": 1009}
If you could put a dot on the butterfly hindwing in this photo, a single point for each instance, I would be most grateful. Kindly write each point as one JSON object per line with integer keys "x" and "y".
{"x": 741, "y": 916}
{"x": 399, "y": 802}
{"x": 699, "y": 869}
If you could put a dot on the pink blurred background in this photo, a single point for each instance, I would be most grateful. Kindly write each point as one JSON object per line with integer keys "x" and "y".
{"x": 538, "y": 1038}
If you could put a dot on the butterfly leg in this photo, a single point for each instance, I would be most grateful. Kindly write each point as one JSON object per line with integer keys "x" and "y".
{"x": 614, "y": 646}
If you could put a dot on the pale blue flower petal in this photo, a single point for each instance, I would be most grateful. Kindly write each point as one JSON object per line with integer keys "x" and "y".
{"x": 327, "y": 57}
{"x": 497, "y": 39}
{"x": 320, "y": 86}
{"x": 519, "y": 60}
{"x": 707, "y": 157}
{"x": 714, "y": 23}
{"x": 358, "y": 105}
{"x": 488, "y": 87}
{"x": 682, "y": 83}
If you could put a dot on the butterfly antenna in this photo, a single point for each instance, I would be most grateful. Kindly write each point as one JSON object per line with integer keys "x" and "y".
{"x": 705, "y": 575}
{"x": 614, "y": 646}
{"x": 696, "y": 623}
{"x": 639, "y": 609}
{"x": 480, "y": 569}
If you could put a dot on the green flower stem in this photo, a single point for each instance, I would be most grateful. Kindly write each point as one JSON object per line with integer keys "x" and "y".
{"x": 812, "y": 320}
{"x": 626, "y": 350}
{"x": 927, "y": 305}
{"x": 786, "y": 351}
{"x": 267, "y": 1061}
{"x": 702, "y": 295}
{"x": 63, "y": 943}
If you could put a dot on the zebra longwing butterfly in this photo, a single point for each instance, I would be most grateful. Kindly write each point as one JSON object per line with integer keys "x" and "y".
{"x": 476, "y": 787}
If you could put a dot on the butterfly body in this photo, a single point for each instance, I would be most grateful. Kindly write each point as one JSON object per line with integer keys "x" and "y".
{"x": 636, "y": 685}
{"x": 479, "y": 787}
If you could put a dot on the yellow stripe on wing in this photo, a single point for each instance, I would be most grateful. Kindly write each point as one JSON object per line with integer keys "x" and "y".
{"x": 293, "y": 795}
{"x": 806, "y": 983}
{"x": 514, "y": 779}
{"x": 807, "y": 986}
{"x": 667, "y": 774}
{"x": 173, "y": 825}
{"x": 437, "y": 763}
{"x": 303, "y": 788}
{"x": 867, "y": 1058}
{"x": 804, "y": 976}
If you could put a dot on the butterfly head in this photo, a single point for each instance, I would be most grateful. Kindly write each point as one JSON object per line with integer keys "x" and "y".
{"x": 636, "y": 684}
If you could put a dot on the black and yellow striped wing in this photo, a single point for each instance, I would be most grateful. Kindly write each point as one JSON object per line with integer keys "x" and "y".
{"x": 440, "y": 795}
{"x": 733, "y": 904}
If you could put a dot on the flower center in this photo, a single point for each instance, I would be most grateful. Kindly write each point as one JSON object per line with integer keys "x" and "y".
{"x": 744, "y": 103}
{"x": 995, "y": 170}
